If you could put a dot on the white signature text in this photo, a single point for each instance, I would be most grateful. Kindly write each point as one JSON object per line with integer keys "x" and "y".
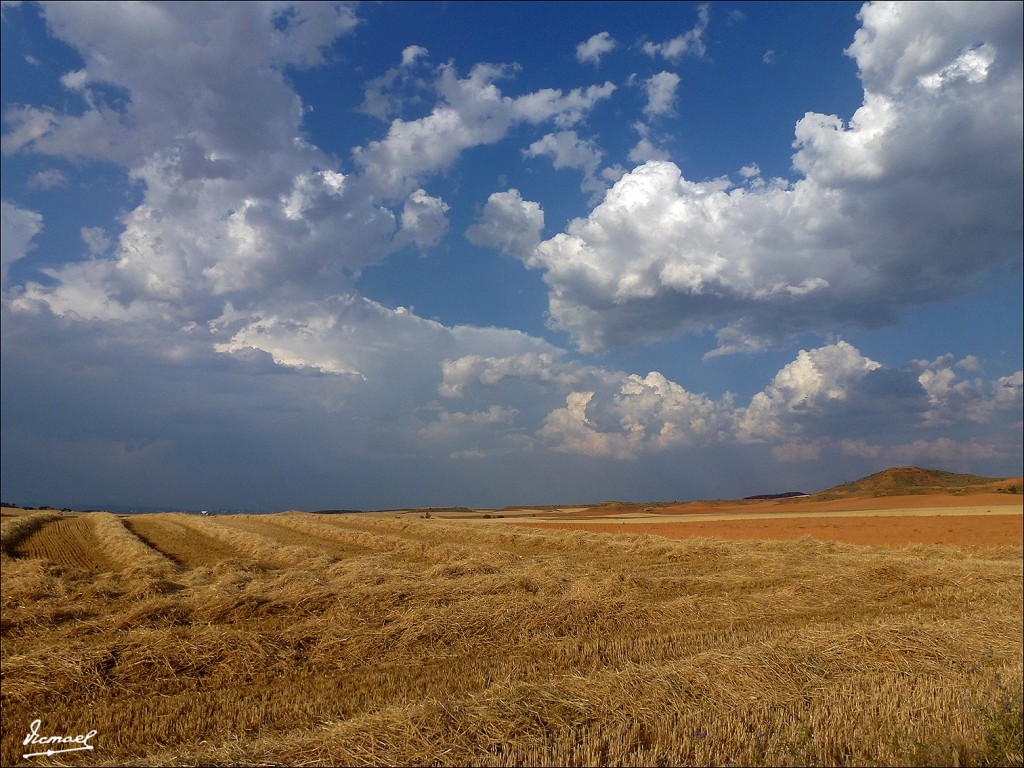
{"x": 65, "y": 743}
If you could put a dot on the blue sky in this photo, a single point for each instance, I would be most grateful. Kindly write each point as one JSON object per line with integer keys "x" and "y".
{"x": 261, "y": 256}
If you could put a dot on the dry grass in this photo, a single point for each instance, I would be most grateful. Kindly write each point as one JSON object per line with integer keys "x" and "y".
{"x": 349, "y": 640}
{"x": 14, "y": 529}
{"x": 121, "y": 546}
{"x": 67, "y": 542}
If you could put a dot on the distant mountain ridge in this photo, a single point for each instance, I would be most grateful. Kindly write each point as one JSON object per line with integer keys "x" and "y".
{"x": 908, "y": 481}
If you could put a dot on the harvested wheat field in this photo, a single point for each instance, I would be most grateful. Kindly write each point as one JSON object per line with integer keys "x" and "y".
{"x": 301, "y": 639}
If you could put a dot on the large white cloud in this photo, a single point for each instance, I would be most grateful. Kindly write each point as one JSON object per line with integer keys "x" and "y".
{"x": 234, "y": 204}
{"x": 467, "y": 374}
{"x": 915, "y": 198}
{"x": 207, "y": 72}
{"x": 237, "y": 205}
{"x": 356, "y": 336}
{"x": 645, "y": 414}
{"x": 952, "y": 398}
{"x": 248, "y": 240}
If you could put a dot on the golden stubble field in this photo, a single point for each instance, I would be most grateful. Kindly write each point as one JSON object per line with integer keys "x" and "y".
{"x": 302, "y": 639}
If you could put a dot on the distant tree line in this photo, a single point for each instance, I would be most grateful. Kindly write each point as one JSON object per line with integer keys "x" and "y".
{"x": 25, "y": 506}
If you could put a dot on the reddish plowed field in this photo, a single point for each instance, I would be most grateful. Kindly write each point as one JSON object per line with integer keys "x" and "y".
{"x": 808, "y": 504}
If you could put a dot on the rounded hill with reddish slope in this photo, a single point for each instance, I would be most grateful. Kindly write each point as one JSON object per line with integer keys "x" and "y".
{"x": 907, "y": 481}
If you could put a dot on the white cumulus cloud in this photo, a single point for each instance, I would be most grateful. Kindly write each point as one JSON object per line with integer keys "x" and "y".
{"x": 661, "y": 94}
{"x": 824, "y": 400}
{"x": 473, "y": 112}
{"x": 689, "y": 43}
{"x": 912, "y": 200}
{"x": 567, "y": 150}
{"x": 510, "y": 223}
{"x": 596, "y": 46}
{"x": 17, "y": 228}
{"x": 423, "y": 220}
{"x": 814, "y": 381}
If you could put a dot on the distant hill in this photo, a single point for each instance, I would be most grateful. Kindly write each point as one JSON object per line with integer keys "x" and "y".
{"x": 767, "y": 496}
{"x": 909, "y": 481}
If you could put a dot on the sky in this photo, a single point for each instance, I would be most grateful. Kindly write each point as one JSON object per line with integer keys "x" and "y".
{"x": 263, "y": 256}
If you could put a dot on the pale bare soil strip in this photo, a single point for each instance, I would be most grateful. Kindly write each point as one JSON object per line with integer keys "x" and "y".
{"x": 444, "y": 643}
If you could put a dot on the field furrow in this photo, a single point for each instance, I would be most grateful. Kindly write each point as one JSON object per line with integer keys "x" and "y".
{"x": 16, "y": 528}
{"x": 415, "y": 539}
{"x": 184, "y": 545}
{"x": 124, "y": 548}
{"x": 277, "y": 528}
{"x": 69, "y": 542}
{"x": 240, "y": 532}
{"x": 471, "y": 539}
{"x": 348, "y": 534}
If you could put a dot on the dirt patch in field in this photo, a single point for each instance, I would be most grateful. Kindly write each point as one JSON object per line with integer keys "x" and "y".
{"x": 958, "y": 530}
